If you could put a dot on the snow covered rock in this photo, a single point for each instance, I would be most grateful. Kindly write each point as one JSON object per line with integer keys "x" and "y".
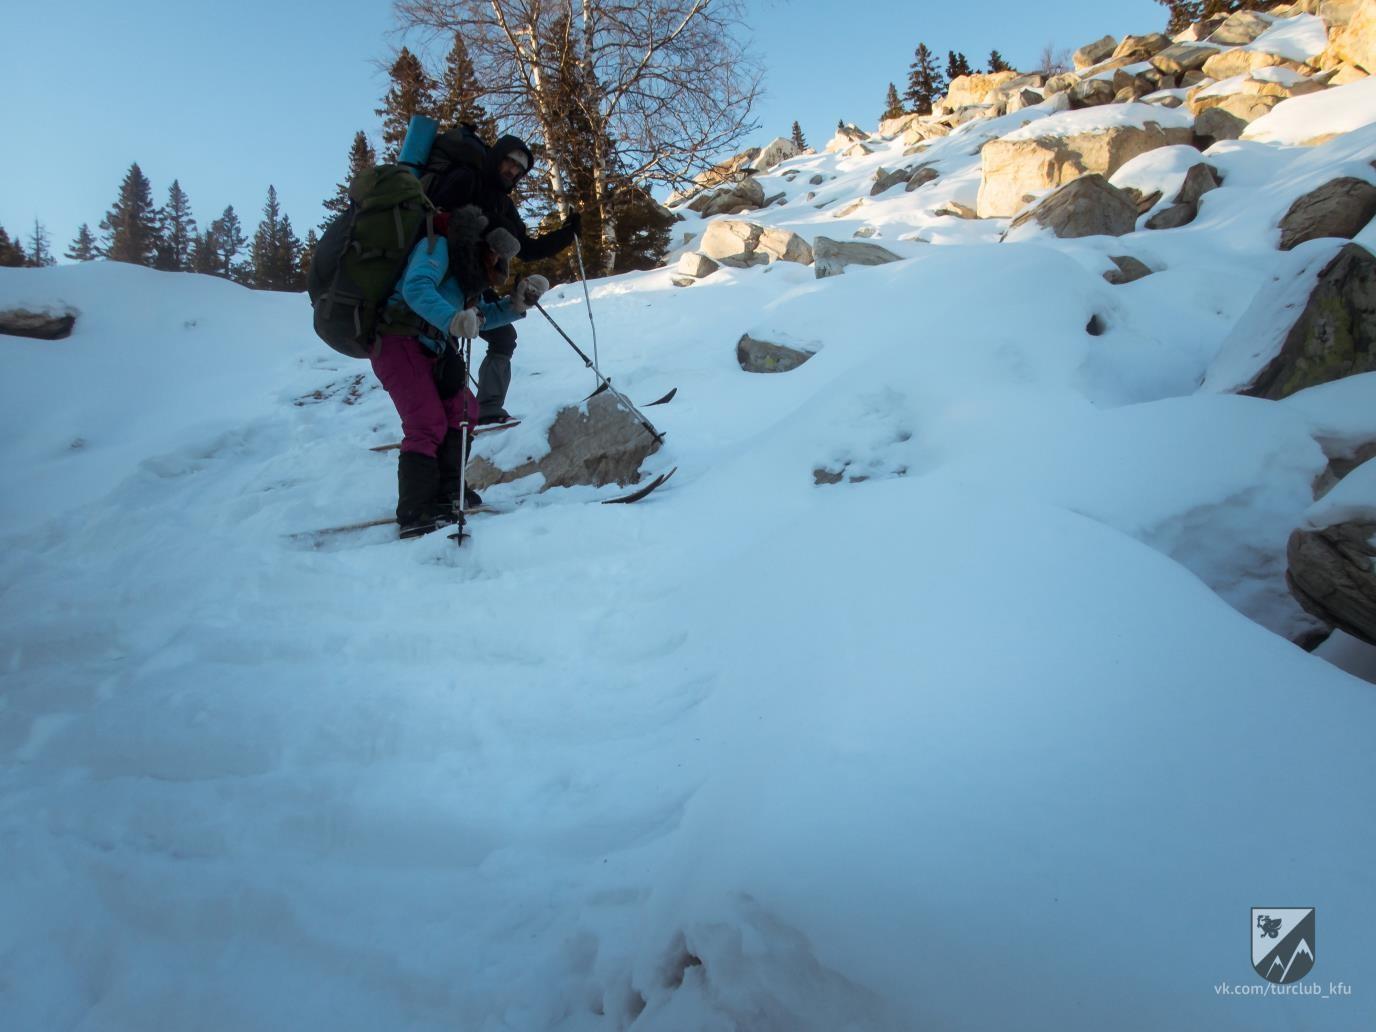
{"x": 763, "y": 356}
{"x": 1332, "y": 557}
{"x": 1093, "y": 53}
{"x": 845, "y": 137}
{"x": 832, "y": 256}
{"x": 1340, "y": 208}
{"x": 1199, "y": 180}
{"x": 1088, "y": 206}
{"x": 1128, "y": 270}
{"x": 1313, "y": 322}
{"x": 1238, "y": 61}
{"x": 775, "y": 151}
{"x": 41, "y": 325}
{"x": 1062, "y": 147}
{"x": 886, "y": 180}
{"x": 1092, "y": 93}
{"x": 599, "y": 442}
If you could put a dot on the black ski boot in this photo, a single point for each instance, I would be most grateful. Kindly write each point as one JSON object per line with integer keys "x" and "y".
{"x": 418, "y": 512}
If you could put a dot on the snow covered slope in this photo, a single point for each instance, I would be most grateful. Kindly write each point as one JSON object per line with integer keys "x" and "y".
{"x": 978, "y": 738}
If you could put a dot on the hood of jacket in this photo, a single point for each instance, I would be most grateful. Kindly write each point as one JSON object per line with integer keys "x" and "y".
{"x": 504, "y": 147}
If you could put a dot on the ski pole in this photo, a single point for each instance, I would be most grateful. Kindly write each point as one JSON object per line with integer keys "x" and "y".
{"x": 465, "y": 353}
{"x": 603, "y": 384}
{"x": 587, "y": 300}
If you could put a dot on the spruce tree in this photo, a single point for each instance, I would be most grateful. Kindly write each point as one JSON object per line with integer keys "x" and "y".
{"x": 799, "y": 140}
{"x": 40, "y": 247}
{"x": 893, "y": 104}
{"x": 83, "y": 248}
{"x": 303, "y": 263}
{"x": 412, "y": 93}
{"x": 176, "y": 231}
{"x": 205, "y": 253}
{"x": 131, "y": 225}
{"x": 997, "y": 63}
{"x": 925, "y": 83}
{"x": 361, "y": 157}
{"x": 287, "y": 273}
{"x": 957, "y": 65}
{"x": 265, "y": 254}
{"x": 460, "y": 93}
{"x": 228, "y": 232}
{"x": 11, "y": 253}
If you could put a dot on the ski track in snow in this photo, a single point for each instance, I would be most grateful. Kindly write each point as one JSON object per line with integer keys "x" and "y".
{"x": 943, "y": 748}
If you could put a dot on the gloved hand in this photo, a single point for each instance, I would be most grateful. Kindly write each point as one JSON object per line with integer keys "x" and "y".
{"x": 574, "y": 222}
{"x": 466, "y": 323}
{"x": 529, "y": 290}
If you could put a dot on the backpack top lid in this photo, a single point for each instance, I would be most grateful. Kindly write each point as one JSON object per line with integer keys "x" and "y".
{"x": 455, "y": 148}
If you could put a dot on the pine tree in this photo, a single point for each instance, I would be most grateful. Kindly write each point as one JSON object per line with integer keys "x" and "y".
{"x": 40, "y": 248}
{"x": 460, "y": 92}
{"x": 131, "y": 225}
{"x": 176, "y": 231}
{"x": 925, "y": 83}
{"x": 265, "y": 254}
{"x": 840, "y": 125}
{"x": 229, "y": 241}
{"x": 11, "y": 253}
{"x": 205, "y": 253}
{"x": 957, "y": 65}
{"x": 893, "y": 104}
{"x": 412, "y": 93}
{"x": 83, "y": 248}
{"x": 998, "y": 64}
{"x": 361, "y": 157}
{"x": 303, "y": 264}
{"x": 799, "y": 140}
{"x": 287, "y": 272}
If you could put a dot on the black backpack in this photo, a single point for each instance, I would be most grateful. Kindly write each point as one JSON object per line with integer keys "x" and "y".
{"x": 454, "y": 149}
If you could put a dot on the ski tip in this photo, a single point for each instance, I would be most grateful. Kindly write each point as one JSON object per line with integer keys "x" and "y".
{"x": 664, "y": 400}
{"x": 641, "y": 492}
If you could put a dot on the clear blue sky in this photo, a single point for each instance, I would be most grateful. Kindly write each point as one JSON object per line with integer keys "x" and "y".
{"x": 229, "y": 97}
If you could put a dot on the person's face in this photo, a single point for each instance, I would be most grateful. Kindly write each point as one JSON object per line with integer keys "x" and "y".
{"x": 509, "y": 171}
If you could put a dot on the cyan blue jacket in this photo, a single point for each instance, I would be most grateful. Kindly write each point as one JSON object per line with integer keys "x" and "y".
{"x": 428, "y": 290}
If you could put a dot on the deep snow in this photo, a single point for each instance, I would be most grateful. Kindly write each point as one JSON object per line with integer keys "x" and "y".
{"x": 1002, "y": 736}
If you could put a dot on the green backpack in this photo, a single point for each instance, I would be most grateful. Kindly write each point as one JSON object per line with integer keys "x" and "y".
{"x": 361, "y": 256}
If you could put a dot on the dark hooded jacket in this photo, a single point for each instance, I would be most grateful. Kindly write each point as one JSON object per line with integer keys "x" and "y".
{"x": 466, "y": 185}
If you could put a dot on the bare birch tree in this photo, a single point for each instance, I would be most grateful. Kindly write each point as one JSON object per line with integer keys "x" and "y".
{"x": 664, "y": 86}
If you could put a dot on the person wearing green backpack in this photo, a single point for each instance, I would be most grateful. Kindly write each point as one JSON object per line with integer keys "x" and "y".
{"x": 422, "y": 370}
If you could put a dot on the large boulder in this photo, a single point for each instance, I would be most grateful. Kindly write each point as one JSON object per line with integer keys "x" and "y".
{"x": 697, "y": 265}
{"x": 776, "y": 150}
{"x": 742, "y": 244}
{"x": 1339, "y": 208}
{"x": 764, "y": 356}
{"x": 1228, "y": 63}
{"x": 1016, "y": 169}
{"x": 1313, "y": 322}
{"x": 1092, "y": 93}
{"x": 1216, "y": 124}
{"x": 1088, "y": 206}
{"x": 599, "y": 442}
{"x": 1240, "y": 29}
{"x": 1332, "y": 556}
{"x": 40, "y": 325}
{"x": 1142, "y": 48}
{"x": 742, "y": 195}
{"x": 1356, "y": 43}
{"x": 972, "y": 90}
{"x": 1093, "y": 53}
{"x": 1182, "y": 58}
{"x": 833, "y": 256}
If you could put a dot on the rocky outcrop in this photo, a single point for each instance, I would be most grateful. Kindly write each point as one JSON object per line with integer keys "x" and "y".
{"x": 1088, "y": 206}
{"x": 972, "y": 90}
{"x": 1339, "y": 208}
{"x": 777, "y": 150}
{"x": 599, "y": 442}
{"x": 831, "y": 257}
{"x": 845, "y": 137}
{"x": 1239, "y": 29}
{"x": 20, "y": 322}
{"x": 742, "y": 195}
{"x": 1330, "y": 573}
{"x": 763, "y": 356}
{"x": 743, "y": 244}
{"x": 1015, "y": 170}
{"x": 1315, "y": 322}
